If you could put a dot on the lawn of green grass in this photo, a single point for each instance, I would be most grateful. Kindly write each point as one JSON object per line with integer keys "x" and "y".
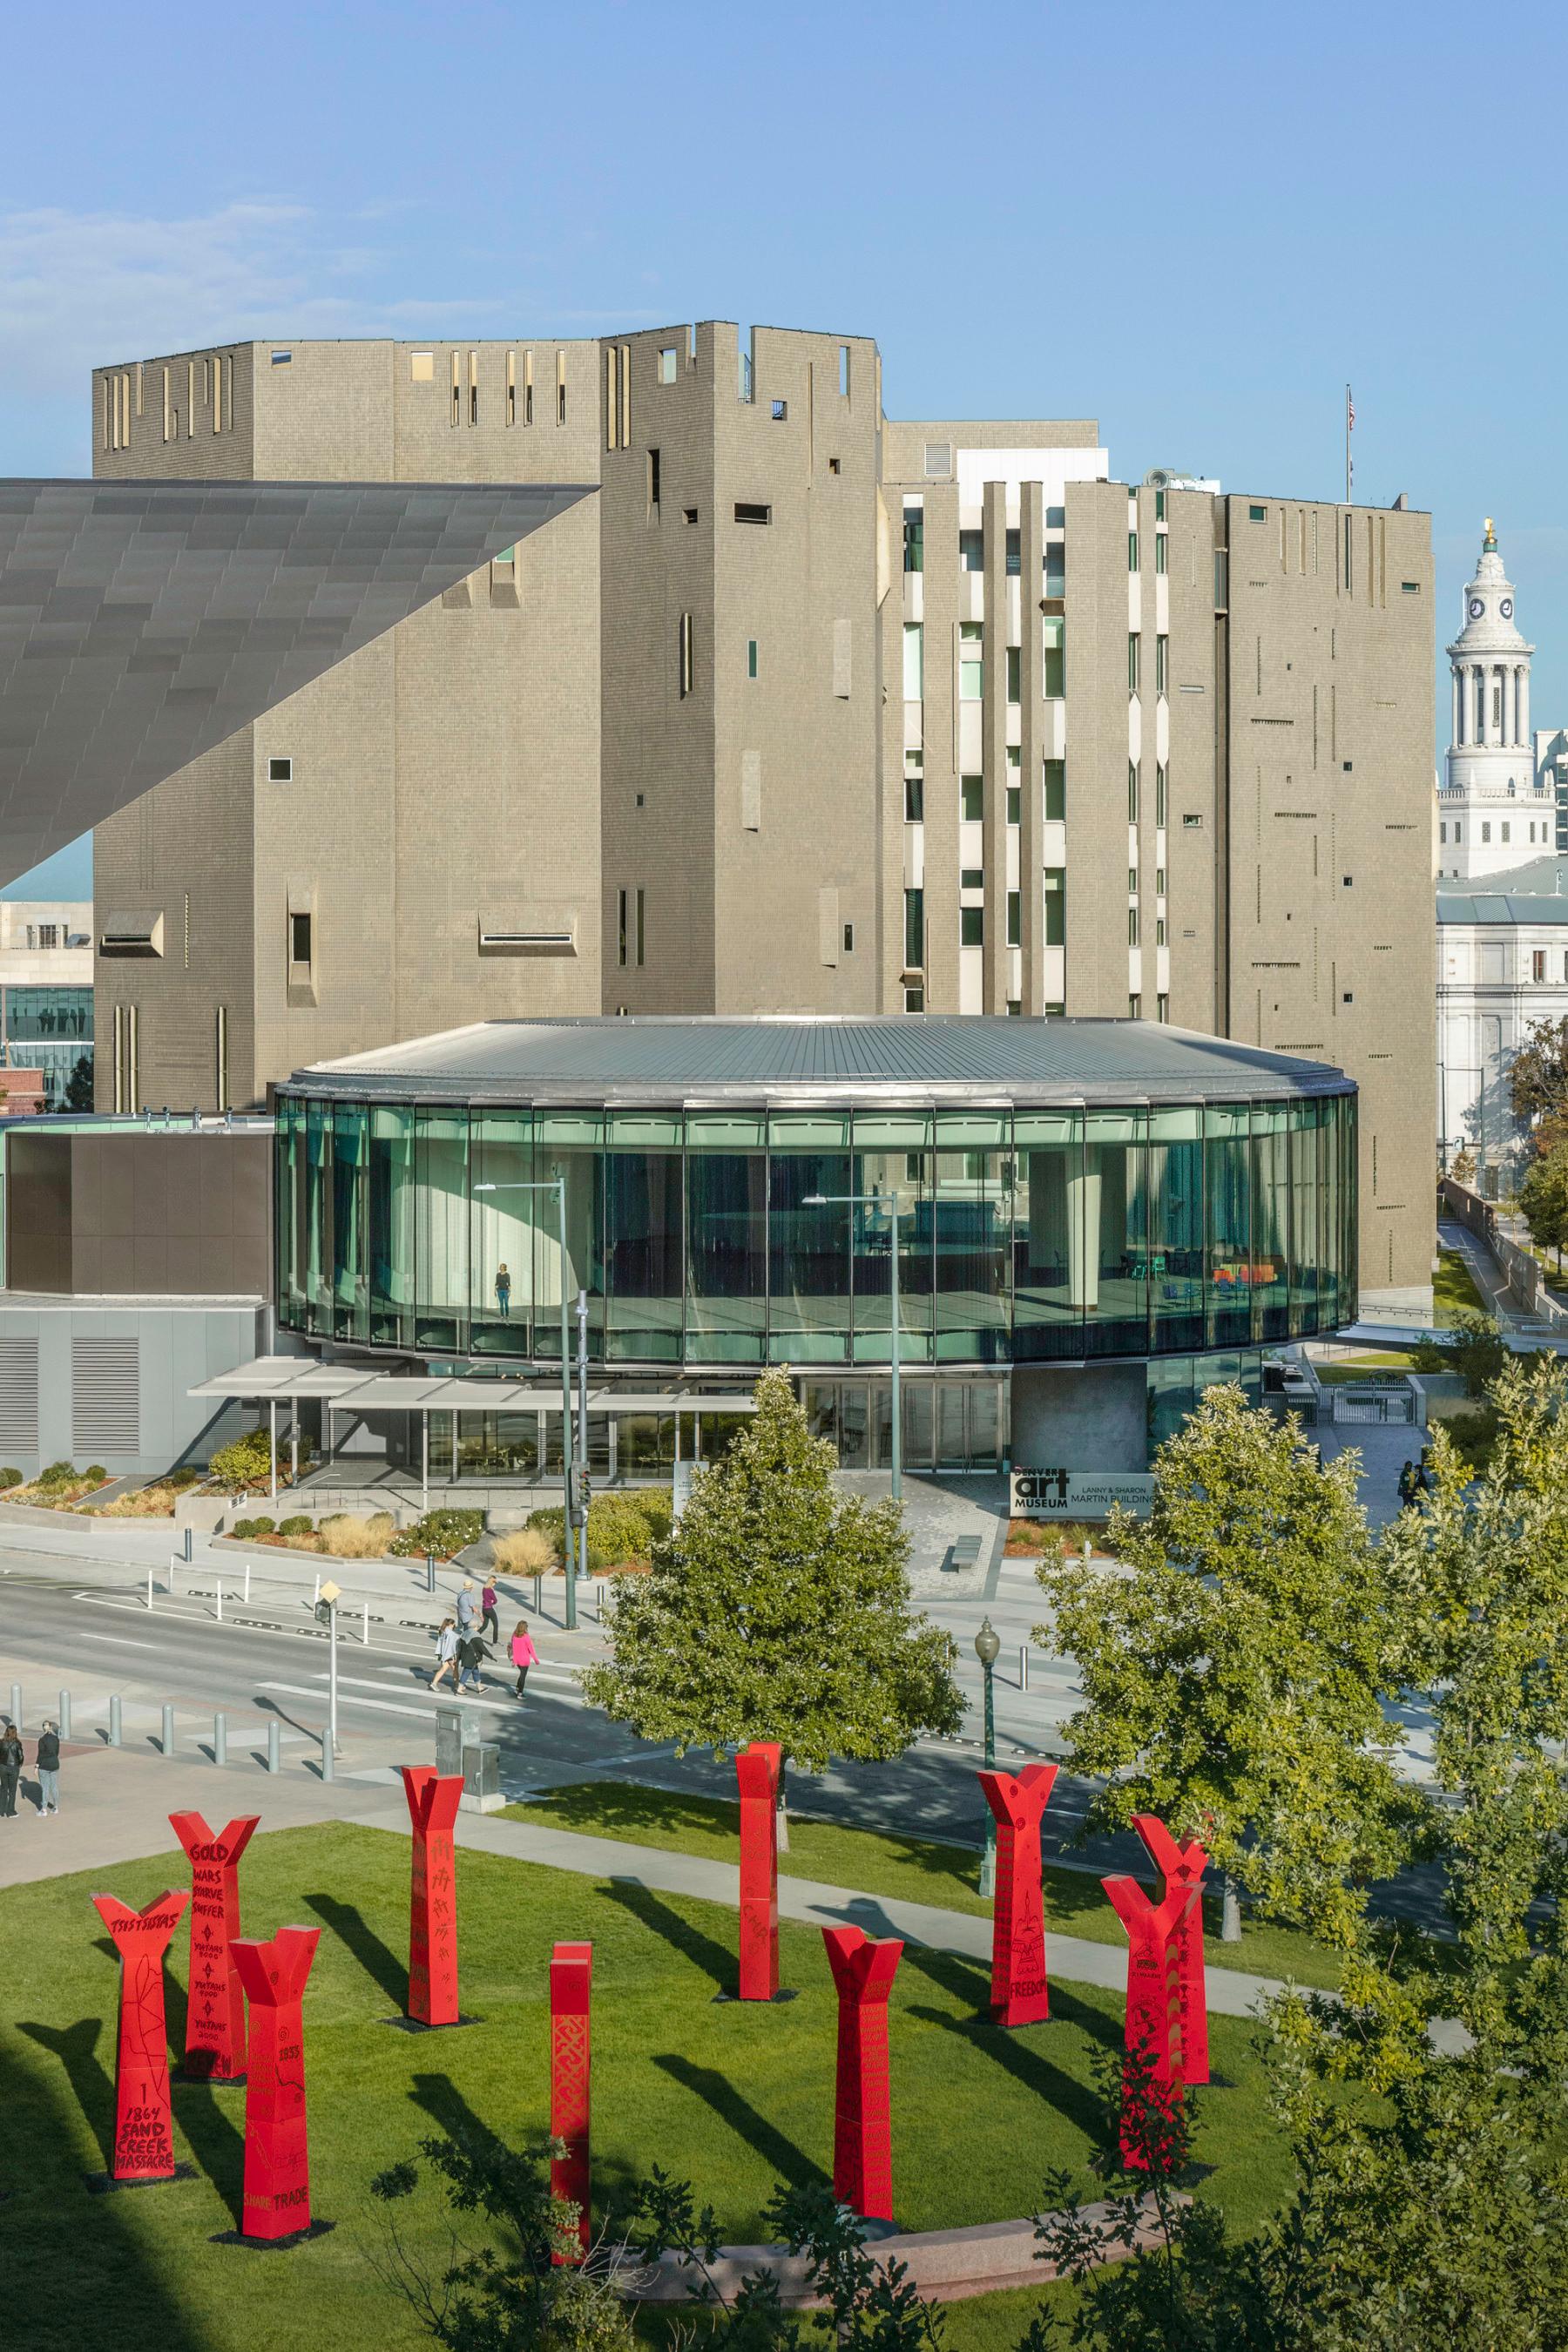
{"x": 1454, "y": 1292}
{"x": 735, "y": 2097}
{"x": 1366, "y": 1361}
{"x": 915, "y": 1870}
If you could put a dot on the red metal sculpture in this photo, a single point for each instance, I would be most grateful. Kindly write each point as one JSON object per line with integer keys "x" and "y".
{"x": 1184, "y": 1866}
{"x": 215, "y": 2005}
{"x": 143, "y": 2135}
{"x": 863, "y": 1972}
{"x": 277, "y": 2156}
{"x": 757, "y": 1771}
{"x": 1020, "y": 1994}
{"x": 432, "y": 1904}
{"x": 571, "y": 1987}
{"x": 1154, "y": 1988}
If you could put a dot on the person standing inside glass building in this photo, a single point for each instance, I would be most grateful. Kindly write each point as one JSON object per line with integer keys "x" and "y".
{"x": 503, "y": 1289}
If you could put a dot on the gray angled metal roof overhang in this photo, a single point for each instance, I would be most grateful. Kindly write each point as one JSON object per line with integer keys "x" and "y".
{"x": 143, "y": 623}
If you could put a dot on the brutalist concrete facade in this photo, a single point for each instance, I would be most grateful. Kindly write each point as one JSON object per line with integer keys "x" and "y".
{"x": 718, "y": 741}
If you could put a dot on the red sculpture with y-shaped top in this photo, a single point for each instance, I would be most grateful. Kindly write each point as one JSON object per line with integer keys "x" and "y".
{"x": 1020, "y": 1994}
{"x": 1183, "y": 1865}
{"x": 215, "y": 2005}
{"x": 863, "y": 1972}
{"x": 571, "y": 1991}
{"x": 757, "y": 1768}
{"x": 1153, "y": 1996}
{"x": 143, "y": 2134}
{"x": 276, "y": 2152}
{"x": 432, "y": 1898}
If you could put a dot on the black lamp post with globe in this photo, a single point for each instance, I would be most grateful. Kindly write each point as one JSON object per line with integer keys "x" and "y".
{"x": 987, "y": 1649}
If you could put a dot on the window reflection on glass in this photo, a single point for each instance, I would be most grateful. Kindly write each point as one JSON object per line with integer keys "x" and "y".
{"x": 808, "y": 1246}
{"x": 1227, "y": 1169}
{"x": 1118, "y": 1254}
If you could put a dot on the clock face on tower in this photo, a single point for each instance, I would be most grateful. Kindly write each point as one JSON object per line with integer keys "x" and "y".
{"x": 1476, "y": 608}
{"x": 1506, "y": 608}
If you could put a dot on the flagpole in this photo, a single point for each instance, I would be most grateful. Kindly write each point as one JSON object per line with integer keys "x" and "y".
{"x": 1350, "y": 423}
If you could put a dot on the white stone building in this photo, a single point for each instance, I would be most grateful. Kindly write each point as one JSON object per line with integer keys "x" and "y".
{"x": 1502, "y": 966}
{"x": 1497, "y": 805}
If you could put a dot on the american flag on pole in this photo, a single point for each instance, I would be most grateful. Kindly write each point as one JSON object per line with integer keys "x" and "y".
{"x": 1349, "y": 411}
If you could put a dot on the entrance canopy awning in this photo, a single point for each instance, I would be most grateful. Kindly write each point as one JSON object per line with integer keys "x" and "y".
{"x": 351, "y": 1387}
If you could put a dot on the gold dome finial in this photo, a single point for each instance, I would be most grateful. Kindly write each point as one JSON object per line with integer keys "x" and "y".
{"x": 1491, "y": 534}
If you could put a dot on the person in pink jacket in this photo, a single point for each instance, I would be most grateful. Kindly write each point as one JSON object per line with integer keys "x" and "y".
{"x": 523, "y": 1654}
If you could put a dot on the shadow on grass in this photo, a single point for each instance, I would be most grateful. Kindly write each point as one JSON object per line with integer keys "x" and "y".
{"x": 216, "y": 2140}
{"x": 780, "y": 2153}
{"x": 626, "y": 1811}
{"x": 378, "y": 1960}
{"x": 716, "y": 1961}
{"x": 75, "y": 2047}
{"x": 454, "y": 2119}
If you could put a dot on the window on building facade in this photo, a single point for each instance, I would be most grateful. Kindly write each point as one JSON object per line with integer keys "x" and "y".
{"x": 972, "y": 551}
{"x": 686, "y": 655}
{"x": 1055, "y": 775}
{"x": 1015, "y": 673}
{"x": 1487, "y": 831}
{"x": 914, "y": 788}
{"x": 1014, "y": 554}
{"x": 1538, "y": 964}
{"x": 1015, "y": 919}
{"x": 1132, "y": 550}
{"x": 1161, "y": 1008}
{"x": 667, "y": 365}
{"x": 914, "y": 1000}
{"x": 1015, "y": 805}
{"x": 1506, "y": 829}
{"x": 971, "y": 878}
{"x": 751, "y": 656}
{"x": 914, "y": 539}
{"x": 914, "y": 661}
{"x": 1161, "y": 551}
{"x": 299, "y": 940}
{"x": 971, "y": 661}
{"x": 1131, "y": 792}
{"x": 1161, "y": 665}
{"x": 914, "y": 929}
{"x": 1134, "y": 663}
{"x": 972, "y": 927}
{"x": 1055, "y": 882}
{"x": 971, "y": 799}
{"x": 1053, "y": 659}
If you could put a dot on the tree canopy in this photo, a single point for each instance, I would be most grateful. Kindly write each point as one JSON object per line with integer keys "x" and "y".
{"x": 1538, "y": 1079}
{"x": 778, "y": 1607}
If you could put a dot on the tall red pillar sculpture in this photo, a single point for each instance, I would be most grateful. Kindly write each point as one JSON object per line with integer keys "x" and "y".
{"x": 863, "y": 1972}
{"x": 215, "y": 2005}
{"x": 1153, "y": 2003}
{"x": 1184, "y": 1866}
{"x": 433, "y": 1899}
{"x": 276, "y": 2202}
{"x": 757, "y": 1772}
{"x": 1020, "y": 1994}
{"x": 143, "y": 2135}
{"x": 571, "y": 1989}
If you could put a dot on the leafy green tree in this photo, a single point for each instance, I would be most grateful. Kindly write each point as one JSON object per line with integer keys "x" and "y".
{"x": 1538, "y": 1079}
{"x": 1474, "y": 1346}
{"x": 1235, "y": 1668}
{"x": 777, "y": 1609}
{"x": 1543, "y": 1201}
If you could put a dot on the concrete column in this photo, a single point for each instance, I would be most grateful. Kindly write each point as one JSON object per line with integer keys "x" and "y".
{"x": 1083, "y": 1235}
{"x": 1454, "y": 724}
{"x": 1462, "y": 703}
{"x": 1524, "y": 702}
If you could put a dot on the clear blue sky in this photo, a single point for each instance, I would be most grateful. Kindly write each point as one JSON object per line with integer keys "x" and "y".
{"x": 1193, "y": 224}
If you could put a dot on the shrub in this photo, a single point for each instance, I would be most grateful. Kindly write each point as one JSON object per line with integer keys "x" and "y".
{"x": 445, "y": 1533}
{"x": 9, "y": 1478}
{"x": 621, "y": 1526}
{"x": 262, "y": 1527}
{"x": 350, "y": 1534}
{"x": 96, "y": 1476}
{"x": 300, "y": 1525}
{"x": 247, "y": 1462}
{"x": 527, "y": 1551}
{"x": 58, "y": 1474}
{"x": 186, "y": 1475}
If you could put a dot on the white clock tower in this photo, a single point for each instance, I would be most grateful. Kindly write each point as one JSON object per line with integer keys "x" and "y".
{"x": 1491, "y": 814}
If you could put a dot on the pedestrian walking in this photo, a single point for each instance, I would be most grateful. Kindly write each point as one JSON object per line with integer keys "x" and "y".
{"x": 471, "y": 1654}
{"x": 523, "y": 1654}
{"x": 1407, "y": 1486}
{"x": 10, "y": 1769}
{"x": 490, "y": 1624}
{"x": 445, "y": 1652}
{"x": 468, "y": 1607}
{"x": 48, "y": 1760}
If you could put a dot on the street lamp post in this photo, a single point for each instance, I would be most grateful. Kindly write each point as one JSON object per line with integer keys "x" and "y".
{"x": 557, "y": 1185}
{"x": 327, "y": 1615}
{"x": 987, "y": 1648}
{"x": 895, "y": 1337}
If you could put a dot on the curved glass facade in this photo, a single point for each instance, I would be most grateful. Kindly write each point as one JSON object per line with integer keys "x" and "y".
{"x": 715, "y": 1238}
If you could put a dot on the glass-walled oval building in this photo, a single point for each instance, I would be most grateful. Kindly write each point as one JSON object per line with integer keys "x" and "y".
{"x": 731, "y": 1194}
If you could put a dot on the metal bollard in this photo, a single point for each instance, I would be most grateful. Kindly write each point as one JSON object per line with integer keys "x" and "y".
{"x": 1022, "y": 1666}
{"x": 430, "y": 1572}
{"x": 149, "y": 1590}
{"x": 65, "y": 1715}
{"x": 220, "y": 1739}
{"x": 166, "y": 1735}
{"x": 248, "y": 1584}
{"x": 220, "y": 1600}
{"x": 366, "y": 1634}
{"x": 274, "y": 1745}
{"x": 539, "y": 1596}
{"x": 173, "y": 1564}
{"x": 114, "y": 1737}
{"x": 189, "y": 1552}
{"x": 16, "y": 1705}
{"x": 328, "y": 1771}
{"x": 317, "y": 1594}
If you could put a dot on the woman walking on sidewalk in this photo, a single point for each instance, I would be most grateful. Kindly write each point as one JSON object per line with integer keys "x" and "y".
{"x": 10, "y": 1771}
{"x": 48, "y": 1767}
{"x": 490, "y": 1624}
{"x": 523, "y": 1654}
{"x": 446, "y": 1653}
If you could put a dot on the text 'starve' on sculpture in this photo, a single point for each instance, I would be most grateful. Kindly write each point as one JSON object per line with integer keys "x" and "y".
{"x": 570, "y": 1994}
{"x": 433, "y": 1897}
{"x": 277, "y": 2202}
{"x": 757, "y": 1768}
{"x": 1158, "y": 2011}
{"x": 144, "y": 2133}
{"x": 215, "y": 2008}
{"x": 863, "y": 1972}
{"x": 1020, "y": 1994}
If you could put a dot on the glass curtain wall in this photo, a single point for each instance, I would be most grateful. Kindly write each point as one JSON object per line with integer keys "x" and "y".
{"x": 731, "y": 1240}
